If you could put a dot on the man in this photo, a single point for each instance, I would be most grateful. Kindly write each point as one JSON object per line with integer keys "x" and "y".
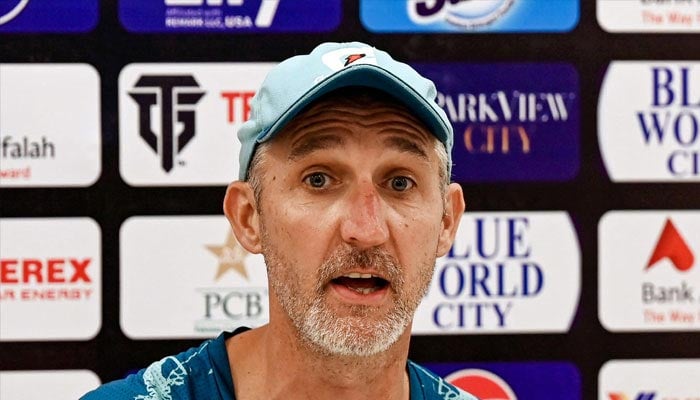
{"x": 344, "y": 188}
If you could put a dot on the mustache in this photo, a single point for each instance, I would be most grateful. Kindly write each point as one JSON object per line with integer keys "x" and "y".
{"x": 375, "y": 259}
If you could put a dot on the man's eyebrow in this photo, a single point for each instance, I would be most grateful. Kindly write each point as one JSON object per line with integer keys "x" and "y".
{"x": 405, "y": 145}
{"x": 309, "y": 145}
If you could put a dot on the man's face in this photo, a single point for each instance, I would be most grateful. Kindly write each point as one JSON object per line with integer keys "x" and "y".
{"x": 351, "y": 215}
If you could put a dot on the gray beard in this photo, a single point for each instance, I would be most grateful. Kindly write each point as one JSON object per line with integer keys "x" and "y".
{"x": 358, "y": 333}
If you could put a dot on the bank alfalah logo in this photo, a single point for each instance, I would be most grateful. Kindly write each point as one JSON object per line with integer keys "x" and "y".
{"x": 175, "y": 96}
{"x": 672, "y": 245}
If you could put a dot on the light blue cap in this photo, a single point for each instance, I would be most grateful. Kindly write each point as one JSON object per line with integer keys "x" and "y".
{"x": 298, "y": 81}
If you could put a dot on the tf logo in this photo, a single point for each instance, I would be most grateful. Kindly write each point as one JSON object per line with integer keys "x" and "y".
{"x": 175, "y": 96}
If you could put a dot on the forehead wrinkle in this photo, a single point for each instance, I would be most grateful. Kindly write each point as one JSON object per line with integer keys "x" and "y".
{"x": 376, "y": 119}
{"x": 336, "y": 118}
{"x": 415, "y": 130}
{"x": 405, "y": 145}
{"x": 310, "y": 143}
{"x": 351, "y": 108}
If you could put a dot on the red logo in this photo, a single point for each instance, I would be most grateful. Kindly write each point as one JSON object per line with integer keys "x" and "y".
{"x": 482, "y": 384}
{"x": 50, "y": 279}
{"x": 52, "y": 270}
{"x": 672, "y": 246}
{"x": 238, "y": 105}
{"x": 352, "y": 58}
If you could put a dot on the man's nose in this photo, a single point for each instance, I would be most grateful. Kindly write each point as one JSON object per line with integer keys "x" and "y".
{"x": 364, "y": 223}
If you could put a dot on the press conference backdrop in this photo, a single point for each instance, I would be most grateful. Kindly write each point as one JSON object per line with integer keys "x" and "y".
{"x": 575, "y": 271}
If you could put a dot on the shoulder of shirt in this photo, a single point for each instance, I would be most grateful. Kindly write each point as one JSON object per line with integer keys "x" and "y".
{"x": 151, "y": 383}
{"x": 438, "y": 388}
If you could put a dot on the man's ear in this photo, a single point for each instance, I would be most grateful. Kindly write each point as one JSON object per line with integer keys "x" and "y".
{"x": 242, "y": 214}
{"x": 454, "y": 208}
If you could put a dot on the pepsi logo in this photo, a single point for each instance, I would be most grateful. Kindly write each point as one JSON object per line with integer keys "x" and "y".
{"x": 483, "y": 384}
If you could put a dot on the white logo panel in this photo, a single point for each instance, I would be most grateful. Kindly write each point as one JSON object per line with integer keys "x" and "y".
{"x": 648, "y": 273}
{"x": 41, "y": 385}
{"x": 50, "y": 133}
{"x": 50, "y": 279}
{"x": 648, "y": 126}
{"x": 188, "y": 277}
{"x": 649, "y": 380}
{"x": 178, "y": 122}
{"x": 506, "y": 273}
{"x": 649, "y": 16}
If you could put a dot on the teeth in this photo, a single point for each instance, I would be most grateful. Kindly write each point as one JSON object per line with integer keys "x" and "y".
{"x": 356, "y": 275}
{"x": 364, "y": 290}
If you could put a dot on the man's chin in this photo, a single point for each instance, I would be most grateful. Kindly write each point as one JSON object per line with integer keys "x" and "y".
{"x": 357, "y": 334}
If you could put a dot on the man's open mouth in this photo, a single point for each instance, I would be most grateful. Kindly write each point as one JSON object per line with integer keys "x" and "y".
{"x": 361, "y": 283}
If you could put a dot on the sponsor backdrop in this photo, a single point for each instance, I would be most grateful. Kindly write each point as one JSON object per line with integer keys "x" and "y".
{"x": 575, "y": 271}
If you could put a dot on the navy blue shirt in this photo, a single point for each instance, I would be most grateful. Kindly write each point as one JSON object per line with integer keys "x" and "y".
{"x": 203, "y": 373}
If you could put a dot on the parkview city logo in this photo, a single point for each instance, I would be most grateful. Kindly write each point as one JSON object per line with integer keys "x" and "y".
{"x": 513, "y": 380}
{"x": 648, "y": 121}
{"x": 506, "y": 273}
{"x": 469, "y": 15}
{"x": 59, "y": 146}
{"x": 649, "y": 15}
{"x": 517, "y": 122}
{"x": 230, "y": 16}
{"x": 50, "y": 279}
{"x": 46, "y": 384}
{"x": 648, "y": 280}
{"x": 649, "y": 380}
{"x": 178, "y": 122}
{"x": 34, "y": 16}
{"x": 193, "y": 265}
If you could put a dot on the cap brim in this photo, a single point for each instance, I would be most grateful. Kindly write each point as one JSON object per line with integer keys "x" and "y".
{"x": 372, "y": 76}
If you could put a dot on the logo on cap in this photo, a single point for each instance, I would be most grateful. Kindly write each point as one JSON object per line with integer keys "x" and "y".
{"x": 483, "y": 384}
{"x": 341, "y": 58}
{"x": 352, "y": 58}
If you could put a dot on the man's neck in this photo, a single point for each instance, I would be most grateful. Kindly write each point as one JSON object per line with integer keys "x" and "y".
{"x": 273, "y": 363}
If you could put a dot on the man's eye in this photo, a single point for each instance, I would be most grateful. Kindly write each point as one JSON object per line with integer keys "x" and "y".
{"x": 401, "y": 183}
{"x": 316, "y": 180}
